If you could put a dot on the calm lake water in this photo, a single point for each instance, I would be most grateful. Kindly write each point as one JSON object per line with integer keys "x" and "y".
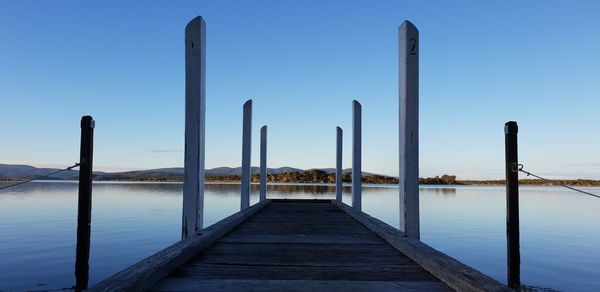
{"x": 560, "y": 229}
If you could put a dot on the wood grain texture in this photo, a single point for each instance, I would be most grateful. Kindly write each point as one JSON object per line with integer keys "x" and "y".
{"x": 452, "y": 272}
{"x": 246, "y": 154}
{"x": 301, "y": 245}
{"x": 296, "y": 285}
{"x": 263, "y": 163}
{"x": 195, "y": 117}
{"x": 408, "y": 126}
{"x": 339, "y": 140}
{"x": 150, "y": 270}
{"x": 356, "y": 155}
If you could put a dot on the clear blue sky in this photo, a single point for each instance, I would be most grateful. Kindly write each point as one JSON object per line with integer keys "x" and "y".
{"x": 302, "y": 62}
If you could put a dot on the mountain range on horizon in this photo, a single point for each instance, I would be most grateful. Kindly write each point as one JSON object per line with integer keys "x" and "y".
{"x": 18, "y": 171}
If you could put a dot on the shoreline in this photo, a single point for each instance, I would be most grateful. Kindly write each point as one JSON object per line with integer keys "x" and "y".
{"x": 483, "y": 183}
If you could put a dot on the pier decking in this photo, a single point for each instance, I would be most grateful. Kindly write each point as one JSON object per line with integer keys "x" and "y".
{"x": 299, "y": 245}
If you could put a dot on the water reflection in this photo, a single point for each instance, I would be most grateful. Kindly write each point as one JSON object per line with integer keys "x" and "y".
{"x": 559, "y": 229}
{"x": 445, "y": 191}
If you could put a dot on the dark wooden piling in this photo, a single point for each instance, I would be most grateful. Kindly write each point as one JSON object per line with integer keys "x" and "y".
{"x": 512, "y": 205}
{"x": 84, "y": 210}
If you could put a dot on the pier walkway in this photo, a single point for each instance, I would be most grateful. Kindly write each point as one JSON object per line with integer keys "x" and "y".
{"x": 299, "y": 245}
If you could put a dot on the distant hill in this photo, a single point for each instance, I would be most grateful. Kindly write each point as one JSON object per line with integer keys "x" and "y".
{"x": 344, "y": 171}
{"x": 19, "y": 172}
{"x": 281, "y": 174}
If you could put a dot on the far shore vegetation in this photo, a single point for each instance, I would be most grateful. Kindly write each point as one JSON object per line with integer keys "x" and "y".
{"x": 320, "y": 176}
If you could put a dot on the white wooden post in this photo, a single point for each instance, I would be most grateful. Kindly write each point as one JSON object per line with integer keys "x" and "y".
{"x": 338, "y": 165}
{"x": 409, "y": 129}
{"x": 193, "y": 183}
{"x": 246, "y": 150}
{"x": 356, "y": 155}
{"x": 263, "y": 163}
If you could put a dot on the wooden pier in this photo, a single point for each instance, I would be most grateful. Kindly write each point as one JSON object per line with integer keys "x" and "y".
{"x": 299, "y": 245}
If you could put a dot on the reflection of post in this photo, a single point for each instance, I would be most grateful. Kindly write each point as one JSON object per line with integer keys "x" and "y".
{"x": 263, "y": 163}
{"x": 356, "y": 155}
{"x": 338, "y": 165}
{"x": 193, "y": 182}
{"x": 409, "y": 129}
{"x": 84, "y": 204}
{"x": 512, "y": 205}
{"x": 246, "y": 150}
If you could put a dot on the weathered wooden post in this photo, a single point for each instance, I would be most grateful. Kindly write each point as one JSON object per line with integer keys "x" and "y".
{"x": 338, "y": 165}
{"x": 246, "y": 150}
{"x": 512, "y": 205}
{"x": 84, "y": 204}
{"x": 263, "y": 163}
{"x": 356, "y": 155}
{"x": 193, "y": 181}
{"x": 409, "y": 129}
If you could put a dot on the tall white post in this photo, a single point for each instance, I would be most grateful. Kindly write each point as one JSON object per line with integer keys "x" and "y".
{"x": 409, "y": 128}
{"x": 356, "y": 155}
{"x": 338, "y": 165}
{"x": 263, "y": 163}
{"x": 193, "y": 182}
{"x": 246, "y": 150}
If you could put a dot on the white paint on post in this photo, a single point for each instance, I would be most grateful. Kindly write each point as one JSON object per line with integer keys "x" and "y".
{"x": 409, "y": 129}
{"x": 246, "y": 150}
{"x": 338, "y": 165}
{"x": 193, "y": 183}
{"x": 263, "y": 163}
{"x": 356, "y": 155}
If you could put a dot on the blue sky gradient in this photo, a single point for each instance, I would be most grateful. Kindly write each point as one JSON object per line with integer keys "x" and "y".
{"x": 303, "y": 62}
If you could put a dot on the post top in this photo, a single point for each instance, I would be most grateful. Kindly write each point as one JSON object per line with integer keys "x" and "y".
{"x": 88, "y": 121}
{"x": 196, "y": 22}
{"x": 356, "y": 103}
{"x": 248, "y": 103}
{"x": 408, "y": 25}
{"x": 263, "y": 128}
{"x": 511, "y": 127}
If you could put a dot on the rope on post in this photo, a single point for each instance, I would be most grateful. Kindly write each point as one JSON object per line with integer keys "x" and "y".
{"x": 519, "y": 168}
{"x": 40, "y": 177}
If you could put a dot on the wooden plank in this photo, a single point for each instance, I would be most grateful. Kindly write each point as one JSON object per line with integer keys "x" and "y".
{"x": 266, "y": 249}
{"x": 150, "y": 270}
{"x": 188, "y": 284}
{"x": 299, "y": 201}
{"x": 304, "y": 254}
{"x": 304, "y": 231}
{"x": 201, "y": 270}
{"x": 298, "y": 223}
{"x": 195, "y": 105}
{"x": 452, "y": 272}
{"x": 306, "y": 239}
